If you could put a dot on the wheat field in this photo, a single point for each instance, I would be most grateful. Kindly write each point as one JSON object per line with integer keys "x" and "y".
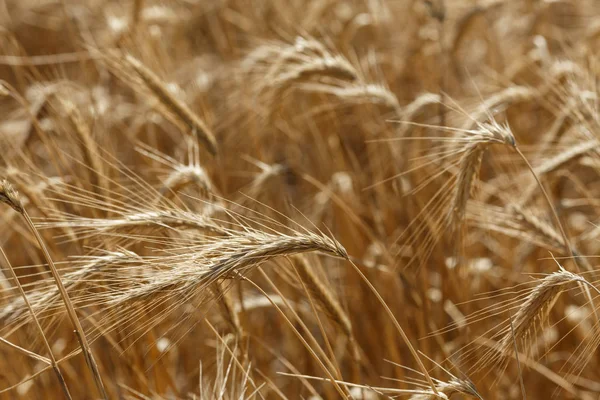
{"x": 299, "y": 199}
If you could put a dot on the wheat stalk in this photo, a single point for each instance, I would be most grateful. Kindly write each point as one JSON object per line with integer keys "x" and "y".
{"x": 325, "y": 297}
{"x": 228, "y": 308}
{"x": 53, "y": 362}
{"x": 9, "y": 196}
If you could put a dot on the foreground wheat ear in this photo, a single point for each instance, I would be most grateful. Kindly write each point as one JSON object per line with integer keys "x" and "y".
{"x": 471, "y": 145}
{"x": 444, "y": 213}
{"x": 487, "y": 133}
{"x": 531, "y": 316}
{"x": 9, "y": 195}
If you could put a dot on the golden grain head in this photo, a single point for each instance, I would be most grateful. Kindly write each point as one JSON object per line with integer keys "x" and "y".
{"x": 8, "y": 195}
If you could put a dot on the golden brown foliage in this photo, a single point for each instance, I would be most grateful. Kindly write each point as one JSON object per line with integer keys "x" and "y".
{"x": 299, "y": 199}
